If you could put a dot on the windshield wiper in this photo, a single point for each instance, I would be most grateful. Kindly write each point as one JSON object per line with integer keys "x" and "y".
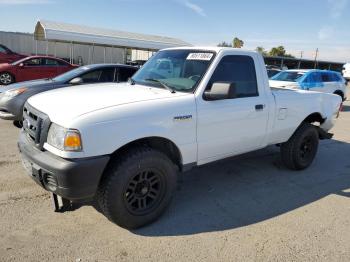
{"x": 172, "y": 90}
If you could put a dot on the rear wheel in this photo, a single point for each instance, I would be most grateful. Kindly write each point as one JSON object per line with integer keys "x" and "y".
{"x": 6, "y": 78}
{"x": 137, "y": 189}
{"x": 300, "y": 150}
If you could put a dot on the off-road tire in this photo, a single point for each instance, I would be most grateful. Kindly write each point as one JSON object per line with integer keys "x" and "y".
{"x": 300, "y": 150}
{"x": 114, "y": 191}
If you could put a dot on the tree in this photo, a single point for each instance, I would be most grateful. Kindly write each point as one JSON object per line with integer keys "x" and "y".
{"x": 237, "y": 43}
{"x": 261, "y": 50}
{"x": 224, "y": 44}
{"x": 279, "y": 51}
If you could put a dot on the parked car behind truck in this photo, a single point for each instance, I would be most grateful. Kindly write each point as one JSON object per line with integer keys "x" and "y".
{"x": 13, "y": 97}
{"x": 346, "y": 71}
{"x": 33, "y": 67}
{"x": 8, "y": 56}
{"x": 315, "y": 80}
{"x": 125, "y": 144}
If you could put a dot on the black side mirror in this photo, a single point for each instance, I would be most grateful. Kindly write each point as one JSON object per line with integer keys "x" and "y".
{"x": 76, "y": 81}
{"x": 220, "y": 91}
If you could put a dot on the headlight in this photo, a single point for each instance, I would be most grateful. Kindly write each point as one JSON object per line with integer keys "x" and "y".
{"x": 15, "y": 92}
{"x": 64, "y": 139}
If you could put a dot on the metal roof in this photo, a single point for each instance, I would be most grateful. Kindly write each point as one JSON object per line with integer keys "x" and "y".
{"x": 63, "y": 32}
{"x": 301, "y": 59}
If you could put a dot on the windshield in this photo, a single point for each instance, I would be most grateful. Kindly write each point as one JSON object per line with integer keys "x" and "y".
{"x": 288, "y": 76}
{"x": 180, "y": 70}
{"x": 71, "y": 74}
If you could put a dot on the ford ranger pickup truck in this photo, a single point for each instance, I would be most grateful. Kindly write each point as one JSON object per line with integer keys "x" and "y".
{"x": 124, "y": 144}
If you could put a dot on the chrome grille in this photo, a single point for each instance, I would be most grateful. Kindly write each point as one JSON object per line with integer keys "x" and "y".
{"x": 36, "y": 125}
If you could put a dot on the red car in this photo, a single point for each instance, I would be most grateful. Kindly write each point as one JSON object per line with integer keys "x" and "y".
{"x": 33, "y": 67}
{"x": 8, "y": 56}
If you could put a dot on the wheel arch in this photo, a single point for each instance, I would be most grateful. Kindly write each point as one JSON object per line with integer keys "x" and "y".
{"x": 340, "y": 93}
{"x": 314, "y": 118}
{"x": 164, "y": 145}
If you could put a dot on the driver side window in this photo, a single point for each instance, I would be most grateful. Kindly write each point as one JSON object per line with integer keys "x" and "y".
{"x": 2, "y": 50}
{"x": 237, "y": 69}
{"x": 91, "y": 77}
{"x": 33, "y": 62}
{"x": 313, "y": 78}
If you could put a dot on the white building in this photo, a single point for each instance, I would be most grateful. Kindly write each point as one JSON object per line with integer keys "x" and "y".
{"x": 86, "y": 45}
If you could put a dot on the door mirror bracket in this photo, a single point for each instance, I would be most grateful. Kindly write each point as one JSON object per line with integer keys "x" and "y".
{"x": 221, "y": 91}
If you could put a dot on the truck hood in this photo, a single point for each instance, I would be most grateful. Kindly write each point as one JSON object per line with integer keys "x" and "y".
{"x": 275, "y": 83}
{"x": 63, "y": 105}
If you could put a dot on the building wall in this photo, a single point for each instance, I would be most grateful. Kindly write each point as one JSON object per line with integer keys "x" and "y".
{"x": 18, "y": 42}
{"x": 86, "y": 54}
{"x": 141, "y": 55}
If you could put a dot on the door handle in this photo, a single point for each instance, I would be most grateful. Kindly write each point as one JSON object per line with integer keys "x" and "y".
{"x": 259, "y": 107}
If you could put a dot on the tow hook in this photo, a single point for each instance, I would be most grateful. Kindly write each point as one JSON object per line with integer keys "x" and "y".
{"x": 60, "y": 204}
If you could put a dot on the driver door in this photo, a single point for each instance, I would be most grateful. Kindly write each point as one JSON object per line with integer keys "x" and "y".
{"x": 29, "y": 70}
{"x": 232, "y": 126}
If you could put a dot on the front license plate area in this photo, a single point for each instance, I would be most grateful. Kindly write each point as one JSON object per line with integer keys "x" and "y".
{"x": 27, "y": 165}
{"x": 32, "y": 169}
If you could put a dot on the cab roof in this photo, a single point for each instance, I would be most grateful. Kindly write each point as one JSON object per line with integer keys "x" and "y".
{"x": 210, "y": 48}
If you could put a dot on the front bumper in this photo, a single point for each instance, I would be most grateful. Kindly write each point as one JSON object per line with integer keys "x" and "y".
{"x": 6, "y": 115}
{"x": 69, "y": 178}
{"x": 11, "y": 109}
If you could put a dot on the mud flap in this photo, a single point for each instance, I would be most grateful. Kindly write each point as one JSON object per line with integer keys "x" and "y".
{"x": 60, "y": 204}
{"x": 323, "y": 134}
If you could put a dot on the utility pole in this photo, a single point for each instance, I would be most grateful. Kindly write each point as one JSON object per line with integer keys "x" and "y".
{"x": 316, "y": 55}
{"x": 301, "y": 57}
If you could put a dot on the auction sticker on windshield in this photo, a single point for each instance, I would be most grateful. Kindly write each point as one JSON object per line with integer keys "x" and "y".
{"x": 200, "y": 56}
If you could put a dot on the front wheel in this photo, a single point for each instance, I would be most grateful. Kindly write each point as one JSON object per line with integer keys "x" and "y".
{"x": 137, "y": 188}
{"x": 300, "y": 150}
{"x": 18, "y": 124}
{"x": 6, "y": 78}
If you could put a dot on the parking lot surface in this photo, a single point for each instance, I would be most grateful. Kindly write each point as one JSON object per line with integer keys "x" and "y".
{"x": 248, "y": 208}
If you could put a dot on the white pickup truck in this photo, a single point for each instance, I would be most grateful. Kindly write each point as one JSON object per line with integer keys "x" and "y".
{"x": 125, "y": 143}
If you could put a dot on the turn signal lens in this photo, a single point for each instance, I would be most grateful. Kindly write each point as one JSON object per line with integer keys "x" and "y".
{"x": 72, "y": 141}
{"x": 15, "y": 92}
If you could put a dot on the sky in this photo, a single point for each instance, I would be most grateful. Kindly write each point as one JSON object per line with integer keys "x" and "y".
{"x": 299, "y": 25}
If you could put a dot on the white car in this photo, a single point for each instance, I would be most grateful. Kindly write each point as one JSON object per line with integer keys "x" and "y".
{"x": 314, "y": 80}
{"x": 125, "y": 143}
{"x": 346, "y": 71}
